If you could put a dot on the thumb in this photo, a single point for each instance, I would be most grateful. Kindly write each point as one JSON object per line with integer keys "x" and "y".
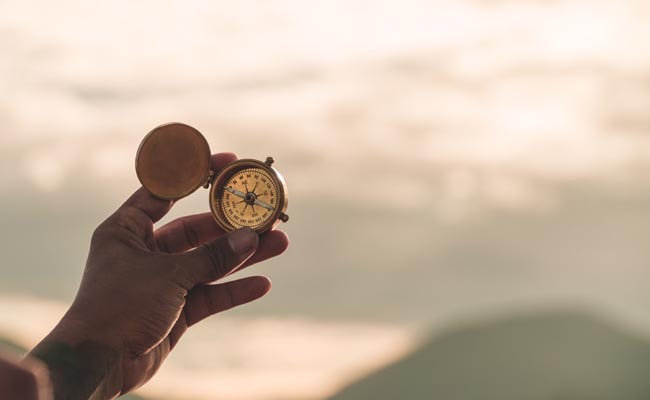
{"x": 217, "y": 259}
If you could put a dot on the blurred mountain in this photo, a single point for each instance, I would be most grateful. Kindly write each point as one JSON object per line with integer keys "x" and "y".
{"x": 549, "y": 356}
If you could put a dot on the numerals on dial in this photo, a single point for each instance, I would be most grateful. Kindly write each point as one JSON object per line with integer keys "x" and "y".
{"x": 249, "y": 198}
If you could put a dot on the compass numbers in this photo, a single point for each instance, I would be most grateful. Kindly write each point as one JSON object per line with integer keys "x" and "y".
{"x": 249, "y": 193}
{"x": 248, "y": 198}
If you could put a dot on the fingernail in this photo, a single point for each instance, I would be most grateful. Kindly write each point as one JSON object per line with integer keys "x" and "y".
{"x": 242, "y": 241}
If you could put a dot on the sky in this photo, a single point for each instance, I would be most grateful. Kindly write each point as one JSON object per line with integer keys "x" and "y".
{"x": 495, "y": 150}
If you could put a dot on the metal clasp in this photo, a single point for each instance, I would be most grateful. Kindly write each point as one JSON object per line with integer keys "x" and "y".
{"x": 209, "y": 180}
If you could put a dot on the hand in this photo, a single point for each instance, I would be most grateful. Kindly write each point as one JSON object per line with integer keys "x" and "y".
{"x": 142, "y": 289}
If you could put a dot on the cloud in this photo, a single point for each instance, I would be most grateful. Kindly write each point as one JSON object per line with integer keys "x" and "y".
{"x": 509, "y": 89}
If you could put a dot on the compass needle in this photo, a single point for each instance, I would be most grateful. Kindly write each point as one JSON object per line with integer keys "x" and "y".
{"x": 235, "y": 192}
{"x": 264, "y": 205}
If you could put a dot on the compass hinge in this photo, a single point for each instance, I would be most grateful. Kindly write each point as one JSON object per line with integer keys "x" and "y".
{"x": 209, "y": 179}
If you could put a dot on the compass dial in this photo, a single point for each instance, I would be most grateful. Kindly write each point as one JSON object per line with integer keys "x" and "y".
{"x": 249, "y": 198}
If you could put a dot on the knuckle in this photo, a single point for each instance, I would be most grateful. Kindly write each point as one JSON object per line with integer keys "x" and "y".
{"x": 178, "y": 271}
{"x": 100, "y": 233}
{"x": 190, "y": 233}
{"x": 229, "y": 299}
{"x": 163, "y": 246}
{"x": 103, "y": 233}
{"x": 113, "y": 223}
{"x": 218, "y": 301}
{"x": 210, "y": 302}
{"x": 217, "y": 258}
{"x": 127, "y": 218}
{"x": 122, "y": 217}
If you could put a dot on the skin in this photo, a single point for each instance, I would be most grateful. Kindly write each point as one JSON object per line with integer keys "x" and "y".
{"x": 143, "y": 288}
{"x": 26, "y": 379}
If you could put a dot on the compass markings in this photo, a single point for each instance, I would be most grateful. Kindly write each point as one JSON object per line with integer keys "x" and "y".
{"x": 237, "y": 191}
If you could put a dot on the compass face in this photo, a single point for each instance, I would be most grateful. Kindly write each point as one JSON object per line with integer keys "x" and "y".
{"x": 248, "y": 198}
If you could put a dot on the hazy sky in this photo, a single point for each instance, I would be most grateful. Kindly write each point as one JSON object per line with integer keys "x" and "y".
{"x": 484, "y": 93}
{"x": 444, "y": 158}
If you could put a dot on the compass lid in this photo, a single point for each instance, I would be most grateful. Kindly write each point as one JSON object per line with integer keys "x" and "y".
{"x": 173, "y": 161}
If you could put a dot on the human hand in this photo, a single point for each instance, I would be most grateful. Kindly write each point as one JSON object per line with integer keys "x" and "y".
{"x": 142, "y": 289}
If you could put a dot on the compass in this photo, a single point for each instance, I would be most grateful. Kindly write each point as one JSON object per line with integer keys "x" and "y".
{"x": 173, "y": 161}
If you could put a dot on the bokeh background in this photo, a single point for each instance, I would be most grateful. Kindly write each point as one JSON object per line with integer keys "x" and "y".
{"x": 469, "y": 185}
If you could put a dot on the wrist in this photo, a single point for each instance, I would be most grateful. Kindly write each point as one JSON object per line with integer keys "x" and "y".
{"x": 81, "y": 365}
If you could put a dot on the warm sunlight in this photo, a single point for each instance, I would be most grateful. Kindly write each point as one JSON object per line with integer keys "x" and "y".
{"x": 445, "y": 159}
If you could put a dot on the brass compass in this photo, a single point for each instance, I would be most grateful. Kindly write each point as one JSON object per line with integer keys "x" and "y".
{"x": 173, "y": 161}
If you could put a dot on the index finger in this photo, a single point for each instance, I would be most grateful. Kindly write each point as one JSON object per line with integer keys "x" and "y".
{"x": 220, "y": 160}
{"x": 155, "y": 208}
{"x": 151, "y": 206}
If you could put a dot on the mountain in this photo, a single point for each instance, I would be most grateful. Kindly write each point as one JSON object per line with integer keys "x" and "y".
{"x": 546, "y": 356}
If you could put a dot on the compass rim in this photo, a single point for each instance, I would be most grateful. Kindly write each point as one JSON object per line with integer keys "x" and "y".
{"x": 240, "y": 165}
